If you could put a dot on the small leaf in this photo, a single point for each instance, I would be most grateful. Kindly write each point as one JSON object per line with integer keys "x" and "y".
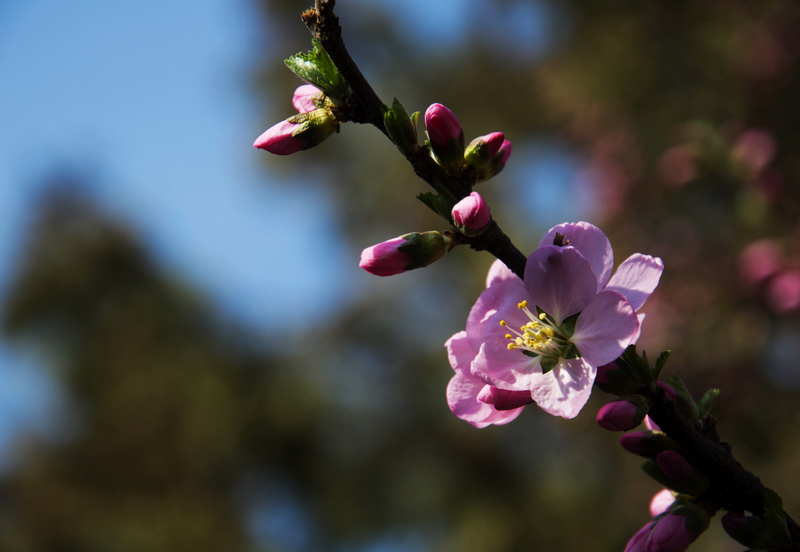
{"x": 568, "y": 326}
{"x": 437, "y": 204}
{"x": 317, "y": 68}
{"x": 776, "y": 518}
{"x": 707, "y": 402}
{"x": 660, "y": 362}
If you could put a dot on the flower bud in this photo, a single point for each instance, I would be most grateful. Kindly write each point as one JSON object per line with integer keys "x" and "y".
{"x": 402, "y": 129}
{"x": 624, "y": 414}
{"x": 661, "y": 502}
{"x": 676, "y": 530}
{"x": 445, "y": 136}
{"x": 639, "y": 541}
{"x": 471, "y": 215}
{"x": 308, "y": 98}
{"x": 647, "y": 443}
{"x": 503, "y": 399}
{"x": 751, "y": 531}
{"x": 404, "y": 253}
{"x": 498, "y": 162}
{"x": 297, "y": 133}
{"x": 482, "y": 149}
{"x": 618, "y": 379}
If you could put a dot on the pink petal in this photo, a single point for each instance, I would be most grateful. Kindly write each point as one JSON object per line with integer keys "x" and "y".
{"x": 605, "y": 328}
{"x": 302, "y": 100}
{"x": 463, "y": 389}
{"x": 560, "y": 281}
{"x": 278, "y": 139}
{"x": 591, "y": 242}
{"x": 661, "y": 502}
{"x": 503, "y": 399}
{"x": 565, "y": 389}
{"x": 496, "y": 303}
{"x": 636, "y": 278}
{"x": 499, "y": 272}
{"x": 504, "y": 369}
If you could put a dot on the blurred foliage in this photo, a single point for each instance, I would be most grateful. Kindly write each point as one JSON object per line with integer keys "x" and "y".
{"x": 184, "y": 432}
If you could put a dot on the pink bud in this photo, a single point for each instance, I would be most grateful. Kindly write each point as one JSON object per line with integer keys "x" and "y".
{"x": 661, "y": 502}
{"x": 384, "y": 259}
{"x": 639, "y": 541}
{"x": 670, "y": 535}
{"x": 635, "y": 442}
{"x": 674, "y": 466}
{"x": 471, "y": 212}
{"x": 278, "y": 139}
{"x": 304, "y": 96}
{"x": 733, "y": 522}
{"x": 619, "y": 416}
{"x": 668, "y": 391}
{"x": 494, "y": 141}
{"x": 505, "y": 151}
{"x": 503, "y": 399}
{"x": 442, "y": 125}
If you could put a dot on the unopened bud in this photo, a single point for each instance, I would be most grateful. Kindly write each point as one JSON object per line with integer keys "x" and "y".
{"x": 676, "y": 530}
{"x": 308, "y": 98}
{"x": 647, "y": 443}
{"x": 503, "y": 399}
{"x": 482, "y": 149}
{"x": 297, "y": 133}
{"x": 498, "y": 162}
{"x": 404, "y": 253}
{"x": 471, "y": 215}
{"x": 445, "y": 136}
{"x": 624, "y": 414}
{"x": 618, "y": 379}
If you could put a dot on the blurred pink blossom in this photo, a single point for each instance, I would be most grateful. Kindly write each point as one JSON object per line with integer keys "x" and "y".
{"x": 758, "y": 261}
{"x": 783, "y": 291}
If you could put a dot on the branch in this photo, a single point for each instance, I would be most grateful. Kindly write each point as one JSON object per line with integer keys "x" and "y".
{"x": 364, "y": 106}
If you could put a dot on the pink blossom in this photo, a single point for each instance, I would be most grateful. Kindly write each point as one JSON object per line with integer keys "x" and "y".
{"x": 549, "y": 357}
{"x": 278, "y": 139}
{"x": 384, "y": 259}
{"x": 306, "y": 97}
{"x": 670, "y": 534}
{"x": 620, "y": 415}
{"x": 442, "y": 125}
{"x": 472, "y": 212}
{"x": 758, "y": 261}
{"x": 755, "y": 148}
{"x": 783, "y": 291}
{"x": 661, "y": 502}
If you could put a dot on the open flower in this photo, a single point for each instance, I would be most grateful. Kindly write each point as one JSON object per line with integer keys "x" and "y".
{"x": 547, "y": 335}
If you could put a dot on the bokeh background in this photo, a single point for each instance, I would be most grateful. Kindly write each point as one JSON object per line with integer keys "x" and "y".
{"x": 191, "y": 358}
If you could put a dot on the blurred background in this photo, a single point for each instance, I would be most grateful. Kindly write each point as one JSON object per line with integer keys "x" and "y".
{"x": 191, "y": 358}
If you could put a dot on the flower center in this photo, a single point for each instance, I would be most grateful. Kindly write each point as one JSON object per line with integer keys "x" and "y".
{"x": 539, "y": 337}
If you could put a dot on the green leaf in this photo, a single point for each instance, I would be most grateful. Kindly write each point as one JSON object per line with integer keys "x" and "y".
{"x": 660, "y": 362}
{"x": 707, "y": 402}
{"x": 437, "y": 204}
{"x": 317, "y": 68}
{"x": 638, "y": 364}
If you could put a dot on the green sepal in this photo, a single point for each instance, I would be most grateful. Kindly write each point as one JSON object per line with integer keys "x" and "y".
{"x": 314, "y": 126}
{"x": 694, "y": 484}
{"x": 402, "y": 129}
{"x": 684, "y": 399}
{"x": 620, "y": 381}
{"x": 451, "y": 156}
{"x": 660, "y": 362}
{"x": 707, "y": 402}
{"x": 548, "y": 363}
{"x": 568, "y": 326}
{"x": 423, "y": 248}
{"x": 572, "y": 352}
{"x": 317, "y": 68}
{"x": 529, "y": 353}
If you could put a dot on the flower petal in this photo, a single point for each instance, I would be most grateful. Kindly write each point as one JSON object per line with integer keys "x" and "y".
{"x": 592, "y": 244}
{"x": 504, "y": 369}
{"x": 464, "y": 388}
{"x": 565, "y": 389}
{"x": 499, "y": 302}
{"x": 560, "y": 281}
{"x": 636, "y": 278}
{"x": 605, "y": 328}
{"x": 499, "y": 272}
